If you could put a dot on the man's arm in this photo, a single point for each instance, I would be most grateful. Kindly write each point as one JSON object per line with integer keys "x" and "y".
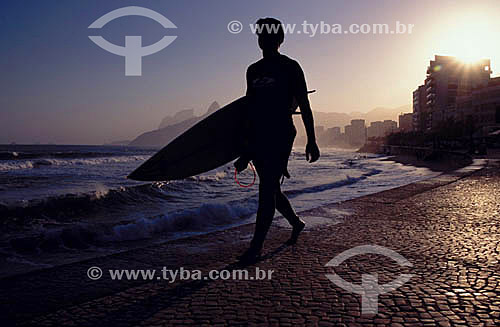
{"x": 307, "y": 116}
{"x": 249, "y": 82}
{"x": 242, "y": 162}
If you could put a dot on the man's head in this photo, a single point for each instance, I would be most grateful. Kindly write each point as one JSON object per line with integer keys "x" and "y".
{"x": 270, "y": 33}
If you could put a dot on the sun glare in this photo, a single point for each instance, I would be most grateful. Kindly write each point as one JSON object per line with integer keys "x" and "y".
{"x": 470, "y": 38}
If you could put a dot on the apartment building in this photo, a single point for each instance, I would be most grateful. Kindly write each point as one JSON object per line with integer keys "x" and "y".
{"x": 406, "y": 122}
{"x": 448, "y": 78}
{"x": 420, "y": 113}
{"x": 481, "y": 106}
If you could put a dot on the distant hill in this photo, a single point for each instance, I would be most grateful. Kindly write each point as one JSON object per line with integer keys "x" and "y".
{"x": 171, "y": 127}
{"x": 163, "y": 136}
{"x": 213, "y": 107}
{"x": 121, "y": 142}
{"x": 381, "y": 113}
{"x": 330, "y": 119}
{"x": 177, "y": 118}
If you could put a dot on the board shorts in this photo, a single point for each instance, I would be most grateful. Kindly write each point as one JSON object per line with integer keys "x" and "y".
{"x": 271, "y": 151}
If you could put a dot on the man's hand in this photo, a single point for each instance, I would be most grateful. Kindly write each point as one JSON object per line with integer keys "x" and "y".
{"x": 241, "y": 164}
{"x": 312, "y": 151}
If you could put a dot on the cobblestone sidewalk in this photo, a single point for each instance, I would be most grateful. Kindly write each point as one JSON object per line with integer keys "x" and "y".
{"x": 448, "y": 228}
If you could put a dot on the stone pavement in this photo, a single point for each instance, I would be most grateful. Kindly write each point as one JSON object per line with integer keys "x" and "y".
{"x": 448, "y": 228}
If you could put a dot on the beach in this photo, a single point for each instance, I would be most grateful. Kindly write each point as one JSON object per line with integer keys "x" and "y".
{"x": 445, "y": 226}
{"x": 79, "y": 204}
{"x": 177, "y": 163}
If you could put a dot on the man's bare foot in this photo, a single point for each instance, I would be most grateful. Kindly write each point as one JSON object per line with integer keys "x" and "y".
{"x": 295, "y": 232}
{"x": 250, "y": 256}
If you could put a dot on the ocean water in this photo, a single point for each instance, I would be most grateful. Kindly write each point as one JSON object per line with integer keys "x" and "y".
{"x": 76, "y": 199}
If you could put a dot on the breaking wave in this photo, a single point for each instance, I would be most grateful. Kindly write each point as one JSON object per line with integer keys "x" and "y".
{"x": 40, "y": 163}
{"x": 208, "y": 217}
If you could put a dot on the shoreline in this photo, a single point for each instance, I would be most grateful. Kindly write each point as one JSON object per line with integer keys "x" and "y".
{"x": 312, "y": 221}
{"x": 278, "y": 221}
{"x": 440, "y": 165}
{"x": 216, "y": 250}
{"x": 435, "y": 160}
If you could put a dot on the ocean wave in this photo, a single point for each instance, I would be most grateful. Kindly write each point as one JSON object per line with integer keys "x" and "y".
{"x": 19, "y": 155}
{"x": 204, "y": 218}
{"x": 208, "y": 217}
{"x": 328, "y": 186}
{"x": 73, "y": 205}
{"x": 29, "y": 164}
{"x": 6, "y": 166}
{"x": 209, "y": 178}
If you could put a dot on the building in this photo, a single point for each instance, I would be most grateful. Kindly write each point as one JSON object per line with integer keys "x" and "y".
{"x": 333, "y": 133}
{"x": 389, "y": 126}
{"x": 420, "y": 114}
{"x": 406, "y": 122}
{"x": 447, "y": 78}
{"x": 331, "y": 136}
{"x": 376, "y": 129}
{"x": 482, "y": 106}
{"x": 381, "y": 128}
{"x": 356, "y": 132}
{"x": 348, "y": 133}
{"x": 319, "y": 130}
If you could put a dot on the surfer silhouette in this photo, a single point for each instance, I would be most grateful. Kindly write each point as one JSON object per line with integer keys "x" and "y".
{"x": 274, "y": 84}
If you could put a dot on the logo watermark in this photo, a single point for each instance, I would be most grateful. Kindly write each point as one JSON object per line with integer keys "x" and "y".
{"x": 234, "y": 27}
{"x": 133, "y": 51}
{"x": 94, "y": 273}
{"x": 369, "y": 288}
{"x": 172, "y": 275}
{"x": 322, "y": 28}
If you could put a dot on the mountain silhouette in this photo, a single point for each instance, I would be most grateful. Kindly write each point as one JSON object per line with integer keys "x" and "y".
{"x": 213, "y": 107}
{"x": 171, "y": 127}
{"x": 177, "y": 118}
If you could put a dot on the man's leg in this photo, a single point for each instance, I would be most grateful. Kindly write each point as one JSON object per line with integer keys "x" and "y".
{"x": 285, "y": 208}
{"x": 268, "y": 187}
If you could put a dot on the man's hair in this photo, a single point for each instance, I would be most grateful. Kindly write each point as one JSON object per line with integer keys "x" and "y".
{"x": 271, "y": 29}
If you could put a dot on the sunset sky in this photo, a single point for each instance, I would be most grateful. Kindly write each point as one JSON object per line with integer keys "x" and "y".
{"x": 58, "y": 86}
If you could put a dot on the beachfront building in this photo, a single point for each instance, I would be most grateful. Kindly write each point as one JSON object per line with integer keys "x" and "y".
{"x": 420, "y": 114}
{"x": 319, "y": 130}
{"x": 381, "y": 128}
{"x": 332, "y": 133}
{"x": 390, "y": 126}
{"x": 406, "y": 122}
{"x": 331, "y": 136}
{"x": 348, "y": 133}
{"x": 357, "y": 132}
{"x": 481, "y": 107}
{"x": 376, "y": 129}
{"x": 448, "y": 78}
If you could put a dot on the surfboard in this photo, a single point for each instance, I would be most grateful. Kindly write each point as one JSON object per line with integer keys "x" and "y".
{"x": 211, "y": 143}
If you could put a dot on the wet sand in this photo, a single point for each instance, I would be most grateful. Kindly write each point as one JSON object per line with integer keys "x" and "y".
{"x": 439, "y": 165}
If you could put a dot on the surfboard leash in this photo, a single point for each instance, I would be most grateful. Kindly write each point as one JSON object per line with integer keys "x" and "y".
{"x": 245, "y": 185}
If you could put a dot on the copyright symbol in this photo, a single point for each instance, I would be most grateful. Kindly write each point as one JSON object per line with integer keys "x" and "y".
{"x": 94, "y": 273}
{"x": 235, "y": 27}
